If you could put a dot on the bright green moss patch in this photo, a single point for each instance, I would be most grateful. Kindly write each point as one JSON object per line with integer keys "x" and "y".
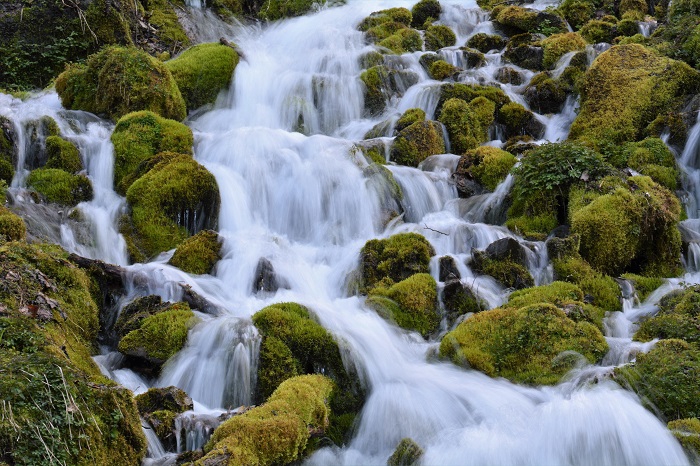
{"x": 176, "y": 198}
{"x": 62, "y": 155}
{"x": 394, "y": 259}
{"x": 556, "y": 293}
{"x": 425, "y": 12}
{"x": 138, "y": 137}
{"x": 467, "y": 123}
{"x": 410, "y": 116}
{"x": 439, "y": 36}
{"x": 523, "y": 345}
{"x": 486, "y": 42}
{"x": 198, "y": 254}
{"x": 170, "y": 31}
{"x": 557, "y": 45}
{"x": 403, "y": 41}
{"x": 509, "y": 273}
{"x": 440, "y": 70}
{"x": 577, "y": 12}
{"x": 417, "y": 142}
{"x": 687, "y": 431}
{"x": 272, "y": 10}
{"x": 202, "y": 71}
{"x": 59, "y": 186}
{"x": 407, "y": 453}
{"x": 604, "y": 289}
{"x": 277, "y": 432}
{"x": 644, "y": 286}
{"x": 12, "y": 227}
{"x": 159, "y": 336}
{"x": 678, "y": 317}
{"x": 119, "y": 80}
{"x": 626, "y": 88}
{"x": 491, "y": 165}
{"x": 517, "y": 19}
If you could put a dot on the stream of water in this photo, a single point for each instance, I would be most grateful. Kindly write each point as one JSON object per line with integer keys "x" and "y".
{"x": 282, "y": 146}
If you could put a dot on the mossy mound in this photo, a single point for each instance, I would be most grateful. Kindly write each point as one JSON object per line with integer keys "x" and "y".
{"x": 60, "y": 187}
{"x": 467, "y": 124}
{"x": 626, "y": 88}
{"x": 678, "y": 317}
{"x": 381, "y": 83}
{"x": 460, "y": 299}
{"x": 524, "y": 345}
{"x": 278, "y": 432}
{"x": 411, "y": 303}
{"x": 390, "y": 30}
{"x": 159, "y": 336}
{"x": 63, "y": 155}
{"x": 417, "y": 142}
{"x": 132, "y": 315}
{"x": 198, "y": 254}
{"x": 687, "y": 432}
{"x": 577, "y": 12}
{"x": 516, "y": 19}
{"x": 202, "y": 71}
{"x": 603, "y": 290}
{"x": 295, "y": 344}
{"x": 650, "y": 157}
{"x": 556, "y": 45}
{"x": 490, "y": 165}
{"x": 120, "y": 80}
{"x": 425, "y": 12}
{"x": 138, "y": 137}
{"x": 175, "y": 199}
{"x": 410, "y": 116}
{"x": 401, "y": 16}
{"x": 63, "y": 409}
{"x": 598, "y": 31}
{"x": 159, "y": 407}
{"x": 394, "y": 259}
{"x": 519, "y": 121}
{"x": 273, "y": 10}
{"x": 469, "y": 92}
{"x": 544, "y": 94}
{"x": 407, "y": 453}
{"x": 440, "y": 70}
{"x": 405, "y": 40}
{"x": 12, "y": 227}
{"x": 666, "y": 379}
{"x": 508, "y": 272}
{"x": 525, "y": 51}
{"x": 486, "y": 42}
{"x": 439, "y": 36}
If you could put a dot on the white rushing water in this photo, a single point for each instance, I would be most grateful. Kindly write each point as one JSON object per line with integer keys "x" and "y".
{"x": 294, "y": 191}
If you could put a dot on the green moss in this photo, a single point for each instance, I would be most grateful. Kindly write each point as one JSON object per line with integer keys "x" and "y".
{"x": 416, "y": 303}
{"x": 532, "y": 225}
{"x": 678, "y": 317}
{"x": 401, "y": 16}
{"x": 544, "y": 94}
{"x": 687, "y": 432}
{"x": 653, "y": 158}
{"x": 577, "y": 12}
{"x": 596, "y": 31}
{"x": 635, "y": 9}
{"x": 176, "y": 198}
{"x": 425, "y": 12}
{"x": 557, "y": 45}
{"x": 405, "y": 40}
{"x": 439, "y": 36}
{"x": 62, "y": 155}
{"x": 603, "y": 289}
{"x": 523, "y": 344}
{"x": 160, "y": 336}
{"x": 170, "y": 31}
{"x": 407, "y": 453}
{"x": 519, "y": 19}
{"x": 440, "y": 70}
{"x": 119, "y": 80}
{"x": 202, "y": 71}
{"x": 395, "y": 258}
{"x": 644, "y": 286}
{"x": 491, "y": 165}
{"x": 59, "y": 186}
{"x": 467, "y": 123}
{"x": 626, "y": 88}
{"x": 666, "y": 378}
{"x": 516, "y": 118}
{"x": 277, "y": 432}
{"x": 469, "y": 92}
{"x": 12, "y": 227}
{"x": 556, "y": 293}
{"x": 410, "y": 116}
{"x": 273, "y": 10}
{"x": 486, "y": 42}
{"x": 417, "y": 142}
{"x": 198, "y": 254}
{"x": 380, "y": 84}
{"x": 132, "y": 315}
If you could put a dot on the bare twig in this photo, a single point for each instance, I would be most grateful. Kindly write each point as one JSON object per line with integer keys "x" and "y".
{"x": 436, "y": 231}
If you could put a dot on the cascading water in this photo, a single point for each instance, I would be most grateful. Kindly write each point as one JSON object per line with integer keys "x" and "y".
{"x": 294, "y": 192}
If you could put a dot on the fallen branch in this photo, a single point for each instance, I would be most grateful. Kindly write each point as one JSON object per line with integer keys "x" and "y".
{"x": 436, "y": 231}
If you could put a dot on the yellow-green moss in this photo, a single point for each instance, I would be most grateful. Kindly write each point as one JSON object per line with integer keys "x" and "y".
{"x": 486, "y": 42}
{"x": 491, "y": 165}
{"x": 395, "y": 259}
{"x": 170, "y": 32}
{"x": 410, "y": 116}
{"x": 509, "y": 273}
{"x": 417, "y": 142}
{"x": 277, "y": 432}
{"x": 405, "y": 40}
{"x": 59, "y": 186}
{"x": 440, "y": 70}
{"x": 439, "y": 36}
{"x": 119, "y": 80}
{"x": 687, "y": 431}
{"x": 644, "y": 286}
{"x": 626, "y": 88}
{"x": 407, "y": 453}
{"x": 467, "y": 123}
{"x": 12, "y": 227}
{"x": 557, "y": 45}
{"x": 400, "y": 16}
{"x": 63, "y": 155}
{"x": 603, "y": 289}
{"x": 198, "y": 254}
{"x": 138, "y": 137}
{"x": 523, "y": 344}
{"x": 678, "y": 317}
{"x": 166, "y": 201}
{"x": 577, "y": 12}
{"x": 425, "y": 12}
{"x": 519, "y": 19}
{"x": 202, "y": 71}
{"x": 273, "y": 10}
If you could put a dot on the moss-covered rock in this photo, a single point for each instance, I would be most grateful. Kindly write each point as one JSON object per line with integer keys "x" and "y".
{"x": 643, "y": 286}
{"x": 472, "y": 58}
{"x": 425, "y": 12}
{"x": 401, "y": 16}
{"x": 272, "y": 10}
{"x": 603, "y": 291}
{"x": 159, "y": 407}
{"x": 132, "y": 315}
{"x": 278, "y": 432}
{"x": 516, "y": 19}
{"x": 650, "y": 157}
{"x": 410, "y": 116}
{"x": 63, "y": 155}
{"x": 577, "y": 12}
{"x": 405, "y": 40}
{"x": 138, "y": 137}
{"x": 159, "y": 336}
{"x": 381, "y": 83}
{"x": 467, "y": 123}
{"x": 12, "y": 227}
{"x": 544, "y": 94}
{"x": 438, "y": 36}
{"x": 687, "y": 432}
{"x": 509, "y": 75}
{"x": 63, "y": 408}
{"x": 411, "y": 303}
{"x": 198, "y": 254}
{"x": 597, "y": 31}
{"x": 469, "y": 92}
{"x": 440, "y": 70}
{"x": 490, "y": 165}
{"x": 519, "y": 121}
{"x": 59, "y": 186}
{"x": 417, "y": 142}
{"x": 394, "y": 259}
{"x": 557, "y": 45}
{"x": 202, "y": 71}
{"x": 524, "y": 345}
{"x": 36, "y": 132}
{"x": 524, "y": 50}
{"x": 626, "y": 88}
{"x": 678, "y": 317}
{"x": 508, "y": 272}
{"x": 666, "y": 378}
{"x": 459, "y": 299}
{"x": 407, "y": 453}
{"x": 119, "y": 80}
{"x": 486, "y": 42}
{"x": 175, "y": 199}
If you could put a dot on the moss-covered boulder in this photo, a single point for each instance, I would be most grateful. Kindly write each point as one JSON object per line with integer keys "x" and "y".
{"x": 425, "y": 12}
{"x": 472, "y": 58}
{"x": 490, "y": 165}
{"x": 202, "y": 71}
{"x": 405, "y": 40}
{"x": 519, "y": 121}
{"x": 506, "y": 271}
{"x": 626, "y": 88}
{"x": 293, "y": 343}
{"x": 278, "y": 432}
{"x": 132, "y": 314}
{"x": 60, "y": 187}
{"x": 577, "y": 12}
{"x": 687, "y": 432}
{"x": 273, "y": 10}
{"x": 459, "y": 299}
{"x": 530, "y": 345}
{"x": 138, "y": 137}
{"x": 63, "y": 155}
{"x": 438, "y": 36}
{"x": 407, "y": 453}
{"x": 381, "y": 83}
{"x": 602, "y": 290}
{"x": 399, "y": 16}
{"x": 120, "y": 80}
{"x": 556, "y": 45}
{"x": 410, "y": 116}
{"x": 486, "y": 42}
{"x": 516, "y": 19}
{"x": 598, "y": 31}
{"x": 467, "y": 123}
{"x": 8, "y": 150}
{"x": 159, "y": 336}
{"x": 469, "y": 92}
{"x": 417, "y": 142}
{"x": 198, "y": 254}
{"x": 678, "y": 317}
{"x": 63, "y": 409}
{"x": 159, "y": 407}
{"x": 394, "y": 259}
{"x": 440, "y": 70}
{"x": 544, "y": 94}
{"x": 666, "y": 378}
{"x": 12, "y": 227}
{"x": 524, "y": 50}
{"x": 36, "y": 132}
{"x": 175, "y": 199}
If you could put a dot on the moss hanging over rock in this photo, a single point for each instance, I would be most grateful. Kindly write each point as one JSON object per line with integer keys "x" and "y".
{"x": 626, "y": 88}
{"x": 417, "y": 142}
{"x": 678, "y": 317}
{"x": 175, "y": 199}
{"x": 202, "y": 71}
{"x": 556, "y": 45}
{"x": 12, "y": 227}
{"x": 467, "y": 123}
{"x": 524, "y": 345}
{"x": 138, "y": 137}
{"x": 666, "y": 379}
{"x": 490, "y": 165}
{"x": 273, "y": 10}
{"x": 62, "y": 155}
{"x": 381, "y": 83}
{"x": 394, "y": 259}
{"x": 198, "y": 254}
{"x": 119, "y": 80}
{"x": 278, "y": 432}
{"x": 60, "y": 187}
